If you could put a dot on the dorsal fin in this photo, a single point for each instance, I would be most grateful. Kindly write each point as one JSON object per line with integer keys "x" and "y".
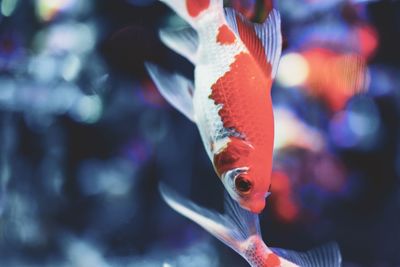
{"x": 183, "y": 41}
{"x": 264, "y": 41}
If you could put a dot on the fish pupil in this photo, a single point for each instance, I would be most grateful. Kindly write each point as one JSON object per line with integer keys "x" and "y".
{"x": 242, "y": 184}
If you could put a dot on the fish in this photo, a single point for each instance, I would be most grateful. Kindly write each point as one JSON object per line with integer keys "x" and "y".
{"x": 230, "y": 99}
{"x": 240, "y": 230}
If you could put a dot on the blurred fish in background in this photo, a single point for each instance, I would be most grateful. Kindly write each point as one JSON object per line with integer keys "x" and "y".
{"x": 85, "y": 137}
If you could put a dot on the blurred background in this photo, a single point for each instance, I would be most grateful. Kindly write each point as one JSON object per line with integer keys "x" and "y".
{"x": 85, "y": 137}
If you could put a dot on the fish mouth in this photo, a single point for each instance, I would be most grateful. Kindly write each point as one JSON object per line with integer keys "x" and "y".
{"x": 254, "y": 206}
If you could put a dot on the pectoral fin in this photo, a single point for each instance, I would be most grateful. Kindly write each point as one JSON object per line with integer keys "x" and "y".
{"x": 183, "y": 41}
{"x": 175, "y": 88}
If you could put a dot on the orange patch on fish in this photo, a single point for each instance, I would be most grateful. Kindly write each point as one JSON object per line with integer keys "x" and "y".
{"x": 231, "y": 156}
{"x": 195, "y": 7}
{"x": 225, "y": 35}
{"x": 244, "y": 93}
{"x": 272, "y": 261}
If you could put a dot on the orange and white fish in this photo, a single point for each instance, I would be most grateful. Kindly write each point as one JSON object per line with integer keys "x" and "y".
{"x": 240, "y": 230}
{"x": 235, "y": 63}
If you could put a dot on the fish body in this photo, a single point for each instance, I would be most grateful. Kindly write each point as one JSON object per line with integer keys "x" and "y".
{"x": 235, "y": 62}
{"x": 240, "y": 230}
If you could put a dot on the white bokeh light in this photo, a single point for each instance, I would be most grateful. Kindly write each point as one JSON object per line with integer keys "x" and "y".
{"x": 293, "y": 70}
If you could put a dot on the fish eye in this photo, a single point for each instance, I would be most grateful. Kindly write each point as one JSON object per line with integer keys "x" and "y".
{"x": 242, "y": 184}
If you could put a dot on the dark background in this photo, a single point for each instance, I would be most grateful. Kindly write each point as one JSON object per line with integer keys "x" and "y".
{"x": 85, "y": 138}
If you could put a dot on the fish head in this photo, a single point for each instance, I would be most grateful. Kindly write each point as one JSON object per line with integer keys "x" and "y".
{"x": 244, "y": 187}
{"x": 244, "y": 173}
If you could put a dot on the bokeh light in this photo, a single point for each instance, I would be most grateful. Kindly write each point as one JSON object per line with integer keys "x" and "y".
{"x": 85, "y": 136}
{"x": 48, "y": 9}
{"x": 293, "y": 70}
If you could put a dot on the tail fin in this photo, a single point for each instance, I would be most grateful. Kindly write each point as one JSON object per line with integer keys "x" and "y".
{"x": 232, "y": 228}
{"x": 237, "y": 225}
{"x": 192, "y": 10}
{"x": 324, "y": 256}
